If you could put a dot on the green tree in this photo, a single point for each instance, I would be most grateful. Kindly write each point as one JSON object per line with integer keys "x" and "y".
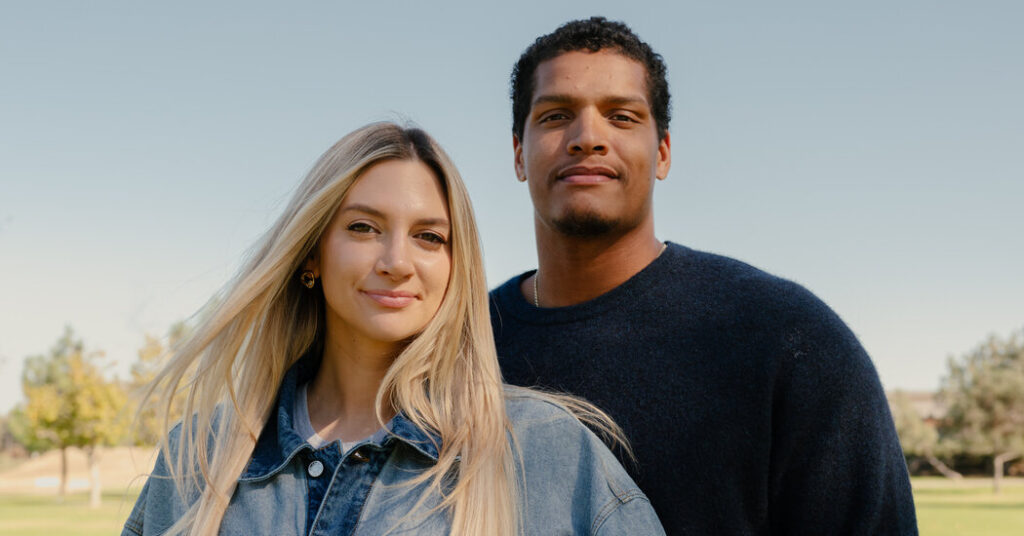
{"x": 917, "y": 438}
{"x": 984, "y": 394}
{"x": 69, "y": 403}
{"x": 149, "y": 423}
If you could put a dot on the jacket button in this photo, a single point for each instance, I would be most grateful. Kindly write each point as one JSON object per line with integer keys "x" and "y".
{"x": 360, "y": 456}
{"x": 315, "y": 469}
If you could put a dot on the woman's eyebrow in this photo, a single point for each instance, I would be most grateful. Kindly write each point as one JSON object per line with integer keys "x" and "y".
{"x": 359, "y": 207}
{"x": 433, "y": 221}
{"x": 367, "y": 209}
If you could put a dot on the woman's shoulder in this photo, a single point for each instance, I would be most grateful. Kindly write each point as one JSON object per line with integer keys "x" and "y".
{"x": 546, "y": 431}
{"x": 529, "y": 407}
{"x": 568, "y": 473}
{"x": 546, "y": 419}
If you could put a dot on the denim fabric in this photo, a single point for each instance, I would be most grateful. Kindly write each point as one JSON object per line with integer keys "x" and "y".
{"x": 573, "y": 484}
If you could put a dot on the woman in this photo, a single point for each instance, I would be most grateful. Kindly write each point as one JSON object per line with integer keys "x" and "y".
{"x": 364, "y": 309}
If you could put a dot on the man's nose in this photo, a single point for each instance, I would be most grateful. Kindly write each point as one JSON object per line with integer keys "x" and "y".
{"x": 589, "y": 134}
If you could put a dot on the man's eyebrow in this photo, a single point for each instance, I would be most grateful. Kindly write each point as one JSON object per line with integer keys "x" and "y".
{"x": 560, "y": 98}
{"x": 625, "y": 100}
{"x": 565, "y": 98}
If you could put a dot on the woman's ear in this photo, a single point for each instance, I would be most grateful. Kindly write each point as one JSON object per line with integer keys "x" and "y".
{"x": 312, "y": 263}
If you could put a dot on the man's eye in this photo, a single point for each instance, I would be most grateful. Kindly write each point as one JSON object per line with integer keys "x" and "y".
{"x": 626, "y": 118}
{"x": 432, "y": 237}
{"x": 557, "y": 116}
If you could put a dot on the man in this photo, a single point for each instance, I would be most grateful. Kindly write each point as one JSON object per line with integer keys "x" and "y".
{"x": 751, "y": 407}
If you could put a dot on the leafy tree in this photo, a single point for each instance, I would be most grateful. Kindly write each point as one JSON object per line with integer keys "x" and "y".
{"x": 69, "y": 403}
{"x": 917, "y": 438}
{"x": 149, "y": 423}
{"x": 984, "y": 394}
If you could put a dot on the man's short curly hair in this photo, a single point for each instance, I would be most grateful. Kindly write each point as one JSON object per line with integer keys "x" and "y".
{"x": 593, "y": 34}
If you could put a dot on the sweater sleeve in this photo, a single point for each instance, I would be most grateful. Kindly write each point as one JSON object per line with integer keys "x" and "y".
{"x": 836, "y": 462}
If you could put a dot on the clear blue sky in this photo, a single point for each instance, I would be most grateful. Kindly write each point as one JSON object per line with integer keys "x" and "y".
{"x": 871, "y": 151}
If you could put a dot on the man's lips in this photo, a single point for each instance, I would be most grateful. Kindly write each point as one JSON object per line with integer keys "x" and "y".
{"x": 395, "y": 299}
{"x": 587, "y": 174}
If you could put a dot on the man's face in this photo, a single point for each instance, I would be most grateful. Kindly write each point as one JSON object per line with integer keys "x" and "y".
{"x": 590, "y": 149}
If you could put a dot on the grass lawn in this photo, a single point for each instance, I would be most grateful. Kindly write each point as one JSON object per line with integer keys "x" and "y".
{"x": 944, "y": 508}
{"x": 968, "y": 508}
{"x": 35, "y": 514}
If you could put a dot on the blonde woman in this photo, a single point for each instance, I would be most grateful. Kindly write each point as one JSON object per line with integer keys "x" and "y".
{"x": 346, "y": 381}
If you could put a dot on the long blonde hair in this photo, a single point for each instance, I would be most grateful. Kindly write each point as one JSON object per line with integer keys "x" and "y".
{"x": 446, "y": 380}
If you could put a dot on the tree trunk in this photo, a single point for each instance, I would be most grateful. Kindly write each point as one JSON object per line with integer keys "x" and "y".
{"x": 62, "y": 489}
{"x": 95, "y": 497}
{"x": 943, "y": 468}
{"x": 997, "y": 468}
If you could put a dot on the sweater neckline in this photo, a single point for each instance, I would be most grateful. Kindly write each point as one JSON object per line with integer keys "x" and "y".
{"x": 513, "y": 302}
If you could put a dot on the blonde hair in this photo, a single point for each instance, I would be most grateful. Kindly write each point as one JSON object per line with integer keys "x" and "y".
{"x": 446, "y": 380}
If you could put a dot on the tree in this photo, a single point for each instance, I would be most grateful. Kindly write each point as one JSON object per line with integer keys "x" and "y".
{"x": 69, "y": 403}
{"x": 149, "y": 423}
{"x": 917, "y": 438}
{"x": 984, "y": 394}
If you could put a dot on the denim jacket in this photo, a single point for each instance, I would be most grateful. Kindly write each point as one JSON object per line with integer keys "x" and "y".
{"x": 573, "y": 483}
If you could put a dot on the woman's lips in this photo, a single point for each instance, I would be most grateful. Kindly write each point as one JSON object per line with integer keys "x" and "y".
{"x": 395, "y": 299}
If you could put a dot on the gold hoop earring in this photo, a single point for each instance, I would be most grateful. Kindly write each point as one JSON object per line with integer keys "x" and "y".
{"x": 307, "y": 278}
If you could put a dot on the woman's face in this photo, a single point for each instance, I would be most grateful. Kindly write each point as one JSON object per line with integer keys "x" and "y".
{"x": 385, "y": 258}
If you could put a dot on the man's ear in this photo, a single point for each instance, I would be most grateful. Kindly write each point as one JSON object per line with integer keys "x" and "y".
{"x": 517, "y": 149}
{"x": 664, "y": 157}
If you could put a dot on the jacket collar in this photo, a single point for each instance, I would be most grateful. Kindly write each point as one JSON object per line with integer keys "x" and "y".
{"x": 279, "y": 443}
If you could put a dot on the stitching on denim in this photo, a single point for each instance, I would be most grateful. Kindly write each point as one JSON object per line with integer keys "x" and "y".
{"x": 604, "y": 513}
{"x": 327, "y": 494}
{"x": 608, "y": 509}
{"x": 134, "y": 526}
{"x": 369, "y": 493}
{"x": 134, "y": 522}
{"x": 274, "y": 470}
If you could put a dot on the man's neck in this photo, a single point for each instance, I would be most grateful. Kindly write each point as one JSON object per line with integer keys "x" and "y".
{"x": 574, "y": 270}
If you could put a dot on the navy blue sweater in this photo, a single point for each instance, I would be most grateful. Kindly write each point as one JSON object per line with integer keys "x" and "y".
{"x": 751, "y": 407}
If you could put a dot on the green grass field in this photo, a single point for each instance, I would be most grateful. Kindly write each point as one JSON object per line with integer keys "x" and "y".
{"x": 944, "y": 508}
{"x": 968, "y": 508}
{"x": 31, "y": 515}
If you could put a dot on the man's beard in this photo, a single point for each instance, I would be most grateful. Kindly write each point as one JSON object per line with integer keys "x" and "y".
{"x": 584, "y": 224}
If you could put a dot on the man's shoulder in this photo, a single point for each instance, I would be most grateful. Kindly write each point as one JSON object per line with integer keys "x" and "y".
{"x": 678, "y": 263}
{"x": 508, "y": 289}
{"x": 699, "y": 284}
{"x": 720, "y": 270}
{"x": 735, "y": 286}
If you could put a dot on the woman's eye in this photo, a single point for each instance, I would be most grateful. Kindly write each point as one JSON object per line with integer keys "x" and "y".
{"x": 432, "y": 237}
{"x": 360, "y": 227}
